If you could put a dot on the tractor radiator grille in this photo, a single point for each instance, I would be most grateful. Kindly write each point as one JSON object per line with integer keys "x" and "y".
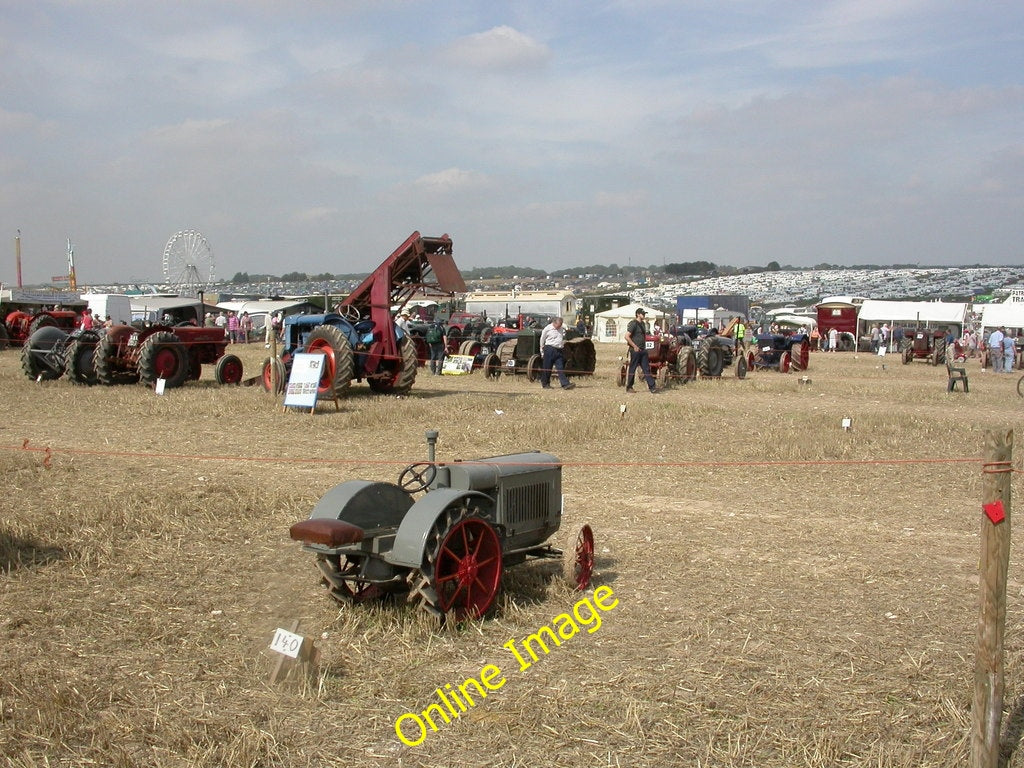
{"x": 527, "y": 503}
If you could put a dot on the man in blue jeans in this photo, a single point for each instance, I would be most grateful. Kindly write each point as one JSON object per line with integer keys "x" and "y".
{"x": 552, "y": 345}
{"x": 636, "y": 338}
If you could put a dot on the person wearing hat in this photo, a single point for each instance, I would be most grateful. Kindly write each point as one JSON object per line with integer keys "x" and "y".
{"x": 636, "y": 338}
{"x": 403, "y": 321}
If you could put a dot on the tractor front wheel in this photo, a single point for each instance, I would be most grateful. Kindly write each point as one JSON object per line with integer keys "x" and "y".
{"x": 784, "y": 362}
{"x": 578, "y": 557}
{"x": 492, "y": 366}
{"x": 228, "y": 370}
{"x": 78, "y": 357}
{"x": 163, "y": 356}
{"x": 272, "y": 367}
{"x": 533, "y": 366}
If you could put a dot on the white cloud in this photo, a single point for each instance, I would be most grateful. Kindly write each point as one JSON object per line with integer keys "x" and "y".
{"x": 498, "y": 48}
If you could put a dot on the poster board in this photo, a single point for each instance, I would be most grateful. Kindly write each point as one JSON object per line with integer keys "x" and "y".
{"x": 303, "y": 381}
{"x": 457, "y": 365}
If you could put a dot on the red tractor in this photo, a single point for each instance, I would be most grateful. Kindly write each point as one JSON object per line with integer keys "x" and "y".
{"x": 126, "y": 354}
{"x": 19, "y": 324}
{"x": 924, "y": 344}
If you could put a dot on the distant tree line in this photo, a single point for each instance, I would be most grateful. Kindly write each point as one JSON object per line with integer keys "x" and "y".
{"x": 290, "y": 277}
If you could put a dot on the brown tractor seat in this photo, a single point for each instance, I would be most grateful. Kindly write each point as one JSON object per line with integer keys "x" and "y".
{"x": 329, "y": 533}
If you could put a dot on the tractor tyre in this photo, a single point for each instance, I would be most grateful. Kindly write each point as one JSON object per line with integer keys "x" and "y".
{"x": 533, "y": 368}
{"x": 661, "y": 377}
{"x": 687, "y": 365}
{"x": 460, "y": 574}
{"x": 464, "y": 347}
{"x": 79, "y": 357}
{"x": 42, "y": 355}
{"x": 339, "y": 366}
{"x": 273, "y": 366}
{"x": 41, "y": 321}
{"x": 620, "y": 379}
{"x": 163, "y": 356}
{"x": 710, "y": 360}
{"x": 492, "y": 366}
{"x": 800, "y": 356}
{"x": 751, "y": 360}
{"x": 402, "y": 379}
{"x": 908, "y": 355}
{"x": 104, "y": 362}
{"x": 939, "y": 353}
{"x": 741, "y": 367}
{"x": 784, "y": 362}
{"x": 5, "y": 339}
{"x": 228, "y": 370}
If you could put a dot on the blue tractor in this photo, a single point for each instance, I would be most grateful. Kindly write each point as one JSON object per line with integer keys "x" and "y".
{"x": 361, "y": 340}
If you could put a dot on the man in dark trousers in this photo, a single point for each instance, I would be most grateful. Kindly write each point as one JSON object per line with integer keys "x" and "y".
{"x": 636, "y": 338}
{"x": 552, "y": 345}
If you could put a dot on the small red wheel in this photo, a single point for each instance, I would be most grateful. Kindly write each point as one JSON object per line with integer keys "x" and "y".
{"x": 467, "y": 572}
{"x": 578, "y": 558}
{"x": 784, "y": 362}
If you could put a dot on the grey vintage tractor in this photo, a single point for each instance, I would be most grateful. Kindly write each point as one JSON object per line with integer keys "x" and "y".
{"x": 446, "y": 550}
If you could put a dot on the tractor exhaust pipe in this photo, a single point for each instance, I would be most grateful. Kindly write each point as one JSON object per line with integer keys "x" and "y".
{"x": 431, "y": 444}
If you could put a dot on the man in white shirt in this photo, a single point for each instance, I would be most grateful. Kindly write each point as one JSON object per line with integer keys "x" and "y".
{"x": 995, "y": 349}
{"x": 552, "y": 346}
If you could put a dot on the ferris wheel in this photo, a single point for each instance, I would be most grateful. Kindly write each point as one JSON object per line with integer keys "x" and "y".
{"x": 188, "y": 262}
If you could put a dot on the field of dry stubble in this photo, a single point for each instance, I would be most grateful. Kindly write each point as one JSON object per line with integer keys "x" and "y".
{"x": 789, "y": 593}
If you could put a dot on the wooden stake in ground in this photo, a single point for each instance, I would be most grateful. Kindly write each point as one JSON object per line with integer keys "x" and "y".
{"x": 995, "y": 559}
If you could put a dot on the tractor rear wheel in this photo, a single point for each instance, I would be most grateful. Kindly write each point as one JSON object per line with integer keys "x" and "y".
{"x": 578, "y": 557}
{"x": 41, "y": 321}
{"x": 800, "y": 355}
{"x": 710, "y": 360}
{"x": 338, "y": 367}
{"x": 404, "y": 371}
{"x": 461, "y": 570}
{"x": 42, "y": 355}
{"x": 270, "y": 366}
{"x": 908, "y": 355}
{"x": 78, "y": 357}
{"x": 687, "y": 365}
{"x": 533, "y": 366}
{"x": 228, "y": 370}
{"x": 163, "y": 356}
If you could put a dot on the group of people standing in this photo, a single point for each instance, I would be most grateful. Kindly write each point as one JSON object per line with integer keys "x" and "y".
{"x": 1002, "y": 351}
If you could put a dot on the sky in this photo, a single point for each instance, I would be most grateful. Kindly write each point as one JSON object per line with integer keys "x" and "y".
{"x": 315, "y": 136}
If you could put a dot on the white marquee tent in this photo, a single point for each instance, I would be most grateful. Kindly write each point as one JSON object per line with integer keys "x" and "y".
{"x": 1009, "y": 315}
{"x": 610, "y": 325}
{"x": 934, "y": 314}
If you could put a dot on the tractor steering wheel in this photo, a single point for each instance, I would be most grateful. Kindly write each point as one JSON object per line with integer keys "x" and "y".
{"x": 350, "y": 312}
{"x": 416, "y": 477}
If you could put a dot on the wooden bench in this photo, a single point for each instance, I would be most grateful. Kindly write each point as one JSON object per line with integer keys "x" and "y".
{"x": 955, "y": 375}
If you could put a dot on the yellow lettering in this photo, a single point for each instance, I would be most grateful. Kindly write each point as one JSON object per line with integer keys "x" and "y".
{"x": 479, "y": 688}
{"x": 523, "y": 663}
{"x": 593, "y": 617}
{"x": 440, "y": 711}
{"x": 486, "y": 675}
{"x": 600, "y": 593}
{"x": 423, "y": 729}
{"x": 565, "y": 620}
{"x": 536, "y": 637}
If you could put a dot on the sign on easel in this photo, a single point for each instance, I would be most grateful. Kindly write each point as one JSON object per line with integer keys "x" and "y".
{"x": 304, "y": 380}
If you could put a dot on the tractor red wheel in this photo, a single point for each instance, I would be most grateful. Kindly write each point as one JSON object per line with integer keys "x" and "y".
{"x": 800, "y": 355}
{"x": 347, "y": 589}
{"x": 784, "y": 362}
{"x": 163, "y": 356}
{"x": 578, "y": 558}
{"x": 467, "y": 571}
{"x": 533, "y": 366}
{"x": 751, "y": 359}
{"x": 228, "y": 370}
{"x": 273, "y": 366}
{"x": 338, "y": 365}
